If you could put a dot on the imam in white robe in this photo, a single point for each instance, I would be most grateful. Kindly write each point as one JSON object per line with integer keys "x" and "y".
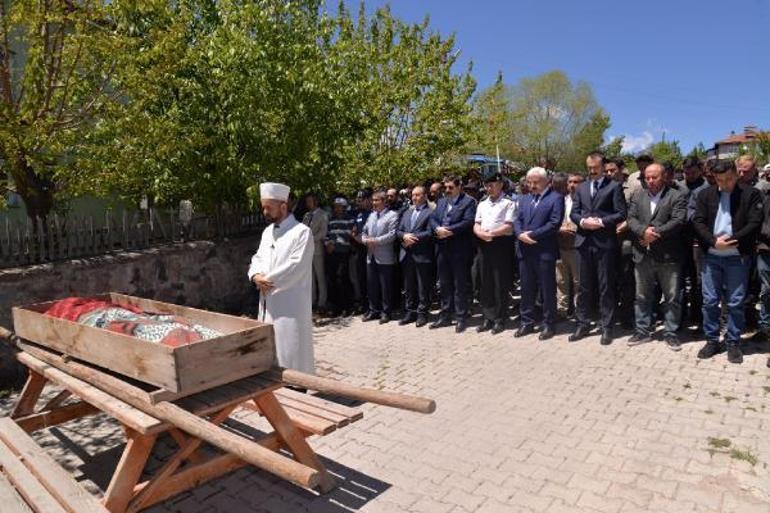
{"x": 285, "y": 257}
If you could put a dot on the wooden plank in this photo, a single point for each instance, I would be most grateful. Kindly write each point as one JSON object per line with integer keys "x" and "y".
{"x": 55, "y": 479}
{"x": 319, "y": 407}
{"x": 54, "y": 417}
{"x": 128, "y": 471}
{"x": 33, "y": 491}
{"x": 133, "y": 357}
{"x": 353, "y": 414}
{"x": 29, "y": 395}
{"x": 10, "y": 499}
{"x": 309, "y": 424}
{"x": 126, "y": 414}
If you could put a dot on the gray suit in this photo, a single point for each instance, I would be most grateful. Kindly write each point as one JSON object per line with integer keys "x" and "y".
{"x": 660, "y": 263}
{"x": 382, "y": 229}
{"x": 380, "y": 260}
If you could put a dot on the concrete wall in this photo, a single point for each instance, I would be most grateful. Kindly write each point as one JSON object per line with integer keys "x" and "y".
{"x": 209, "y": 275}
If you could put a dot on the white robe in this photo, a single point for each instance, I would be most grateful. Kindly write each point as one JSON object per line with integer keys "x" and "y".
{"x": 285, "y": 257}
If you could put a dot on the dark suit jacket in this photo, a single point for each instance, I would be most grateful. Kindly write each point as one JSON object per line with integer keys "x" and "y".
{"x": 746, "y": 210}
{"x": 669, "y": 220}
{"x": 543, "y": 223}
{"x": 423, "y": 251}
{"x": 461, "y": 220}
{"x": 609, "y": 205}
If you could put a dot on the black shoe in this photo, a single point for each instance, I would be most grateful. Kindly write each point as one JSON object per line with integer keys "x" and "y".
{"x": 484, "y": 326}
{"x": 370, "y": 316}
{"x": 580, "y": 332}
{"x": 407, "y": 319}
{"x": 673, "y": 342}
{"x": 499, "y": 327}
{"x": 460, "y": 326}
{"x": 768, "y": 362}
{"x": 638, "y": 338}
{"x": 524, "y": 330}
{"x": 439, "y": 323}
{"x": 421, "y": 321}
{"x": 606, "y": 337}
{"x": 384, "y": 318}
{"x": 546, "y": 333}
{"x": 734, "y": 354}
{"x": 710, "y": 349}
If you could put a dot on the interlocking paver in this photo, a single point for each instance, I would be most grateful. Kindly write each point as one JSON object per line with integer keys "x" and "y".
{"x": 521, "y": 425}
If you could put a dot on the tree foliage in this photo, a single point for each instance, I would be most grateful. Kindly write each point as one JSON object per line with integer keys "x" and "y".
{"x": 546, "y": 117}
{"x": 57, "y": 64}
{"x": 202, "y": 99}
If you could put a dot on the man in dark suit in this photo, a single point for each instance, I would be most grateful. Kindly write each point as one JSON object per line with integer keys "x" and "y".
{"x": 598, "y": 208}
{"x": 452, "y": 227}
{"x": 537, "y": 226}
{"x": 657, "y": 217}
{"x": 416, "y": 257}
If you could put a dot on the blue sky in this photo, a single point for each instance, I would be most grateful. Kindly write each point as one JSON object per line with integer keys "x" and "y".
{"x": 694, "y": 70}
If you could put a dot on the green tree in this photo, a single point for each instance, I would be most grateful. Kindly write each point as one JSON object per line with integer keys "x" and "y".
{"x": 667, "y": 151}
{"x": 57, "y": 64}
{"x": 698, "y": 151}
{"x": 556, "y": 119}
{"x": 492, "y": 127}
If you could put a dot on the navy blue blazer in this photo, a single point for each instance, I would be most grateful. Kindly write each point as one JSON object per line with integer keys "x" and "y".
{"x": 422, "y": 251}
{"x": 542, "y": 222}
{"x": 460, "y": 221}
{"x": 609, "y": 205}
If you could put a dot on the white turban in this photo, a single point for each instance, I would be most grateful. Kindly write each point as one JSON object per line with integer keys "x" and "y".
{"x": 274, "y": 191}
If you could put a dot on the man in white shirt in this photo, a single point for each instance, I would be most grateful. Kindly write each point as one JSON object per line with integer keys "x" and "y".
{"x": 494, "y": 229}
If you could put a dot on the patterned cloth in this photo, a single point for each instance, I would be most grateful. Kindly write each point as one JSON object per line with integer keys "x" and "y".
{"x": 127, "y": 319}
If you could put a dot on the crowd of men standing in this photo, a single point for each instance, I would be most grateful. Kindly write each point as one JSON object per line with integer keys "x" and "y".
{"x": 604, "y": 247}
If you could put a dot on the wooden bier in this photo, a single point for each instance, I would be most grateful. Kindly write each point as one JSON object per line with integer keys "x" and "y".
{"x": 246, "y": 347}
{"x": 177, "y": 416}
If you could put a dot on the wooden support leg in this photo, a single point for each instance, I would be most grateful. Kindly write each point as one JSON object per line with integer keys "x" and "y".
{"x": 58, "y": 400}
{"x": 293, "y": 438}
{"x": 128, "y": 471}
{"x": 167, "y": 470}
{"x": 29, "y": 396}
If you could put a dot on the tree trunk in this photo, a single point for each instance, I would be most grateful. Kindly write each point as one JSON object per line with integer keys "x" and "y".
{"x": 36, "y": 191}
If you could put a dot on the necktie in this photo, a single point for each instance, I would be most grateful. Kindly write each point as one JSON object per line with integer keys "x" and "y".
{"x": 593, "y": 188}
{"x": 536, "y": 200}
{"x": 415, "y": 213}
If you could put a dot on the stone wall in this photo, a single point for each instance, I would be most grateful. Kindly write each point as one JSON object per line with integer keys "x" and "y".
{"x": 203, "y": 274}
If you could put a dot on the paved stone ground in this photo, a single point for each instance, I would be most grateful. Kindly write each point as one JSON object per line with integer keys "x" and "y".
{"x": 521, "y": 425}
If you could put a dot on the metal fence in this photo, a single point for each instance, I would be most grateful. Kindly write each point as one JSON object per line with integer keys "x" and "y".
{"x": 66, "y": 237}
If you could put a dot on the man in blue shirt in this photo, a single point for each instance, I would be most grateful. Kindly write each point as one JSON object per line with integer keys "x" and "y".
{"x": 727, "y": 218}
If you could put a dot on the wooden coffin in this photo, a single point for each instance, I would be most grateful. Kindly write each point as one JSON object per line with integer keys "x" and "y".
{"x": 246, "y": 347}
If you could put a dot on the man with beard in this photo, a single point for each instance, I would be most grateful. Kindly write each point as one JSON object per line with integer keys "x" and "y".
{"x": 282, "y": 270}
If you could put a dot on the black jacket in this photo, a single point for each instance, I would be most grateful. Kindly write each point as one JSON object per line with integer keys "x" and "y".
{"x": 747, "y": 213}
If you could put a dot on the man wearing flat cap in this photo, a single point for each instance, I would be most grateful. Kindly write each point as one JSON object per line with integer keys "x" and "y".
{"x": 282, "y": 270}
{"x": 494, "y": 229}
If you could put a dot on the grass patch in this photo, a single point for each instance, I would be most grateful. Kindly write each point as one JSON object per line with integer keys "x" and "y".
{"x": 719, "y": 443}
{"x": 677, "y": 399}
{"x": 687, "y": 385}
{"x": 714, "y": 394}
{"x": 766, "y": 389}
{"x": 709, "y": 411}
{"x": 750, "y": 408}
{"x": 729, "y": 398}
{"x": 752, "y": 372}
{"x": 746, "y": 456}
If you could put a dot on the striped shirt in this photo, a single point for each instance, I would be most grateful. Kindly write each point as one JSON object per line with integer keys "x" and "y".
{"x": 340, "y": 233}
